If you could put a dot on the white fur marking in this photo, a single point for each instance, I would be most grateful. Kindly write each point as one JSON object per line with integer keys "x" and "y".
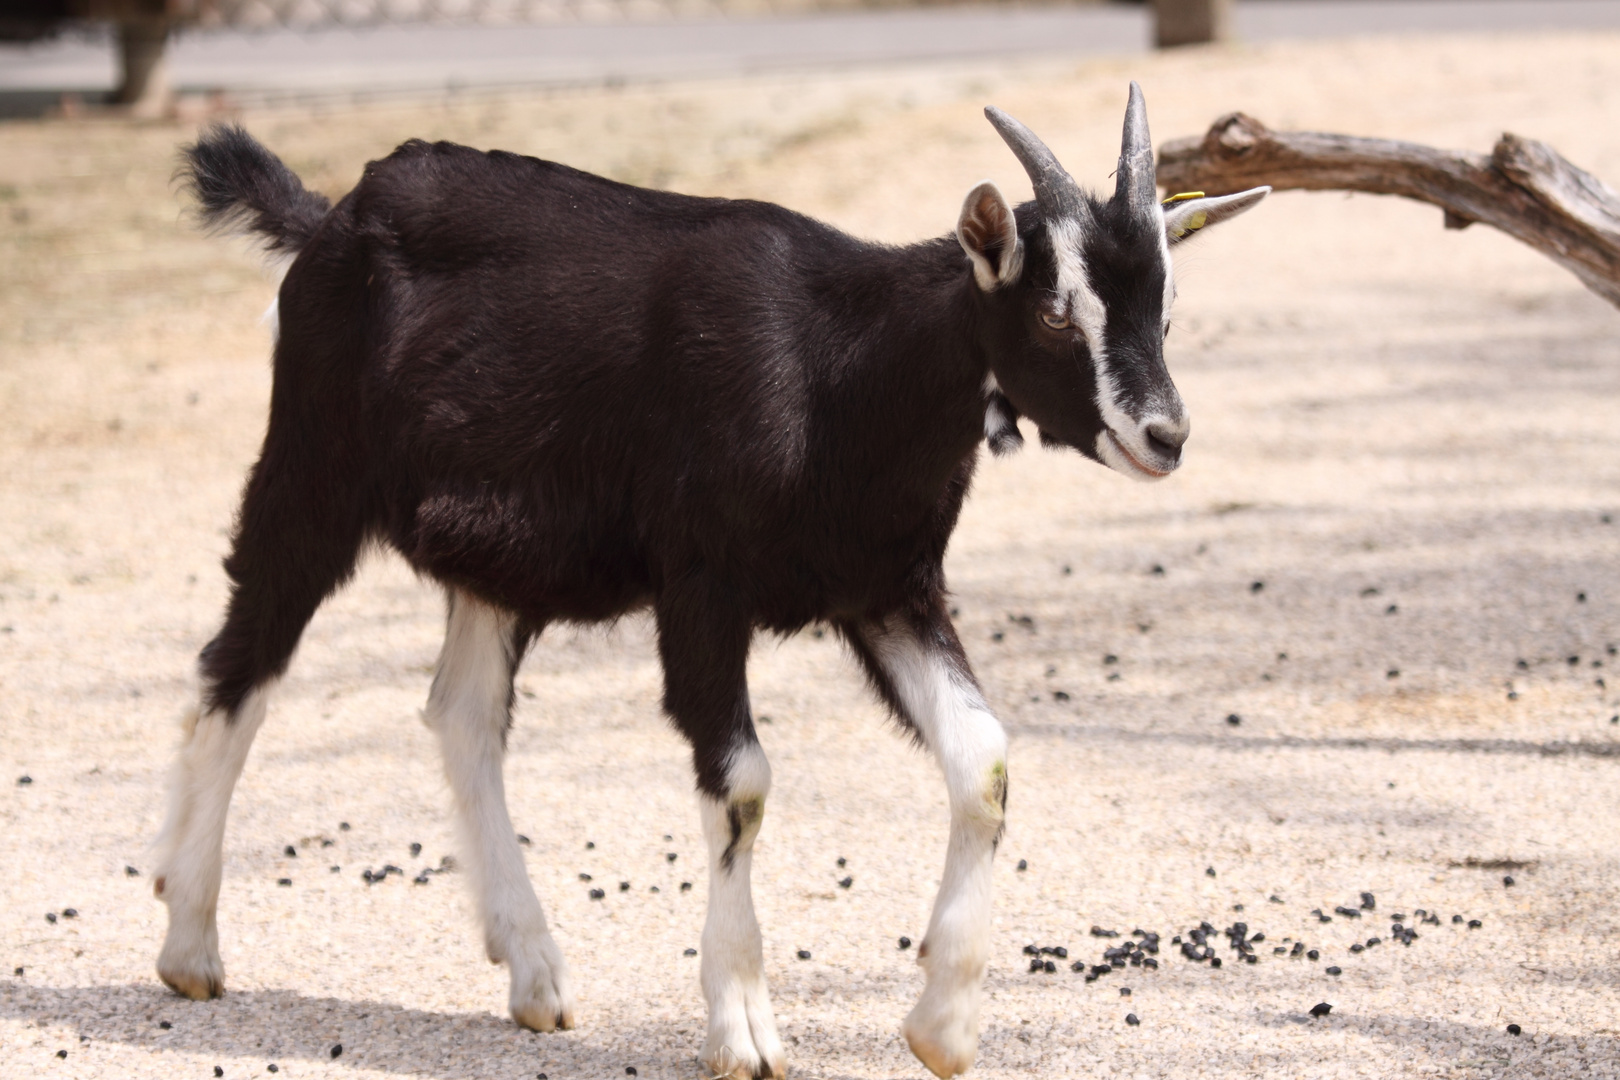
{"x": 950, "y": 714}
{"x": 272, "y": 318}
{"x": 190, "y": 847}
{"x": 742, "y": 1031}
{"x": 1086, "y": 310}
{"x": 467, "y": 710}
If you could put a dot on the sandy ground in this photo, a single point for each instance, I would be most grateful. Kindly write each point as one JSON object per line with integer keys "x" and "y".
{"x": 1409, "y": 436}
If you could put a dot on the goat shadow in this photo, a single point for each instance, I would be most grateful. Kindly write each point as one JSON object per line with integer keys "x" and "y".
{"x": 282, "y": 1026}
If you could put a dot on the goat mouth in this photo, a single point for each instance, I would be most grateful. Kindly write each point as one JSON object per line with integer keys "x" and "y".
{"x": 1136, "y": 462}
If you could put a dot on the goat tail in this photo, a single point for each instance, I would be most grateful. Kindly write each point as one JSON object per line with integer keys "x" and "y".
{"x": 242, "y": 187}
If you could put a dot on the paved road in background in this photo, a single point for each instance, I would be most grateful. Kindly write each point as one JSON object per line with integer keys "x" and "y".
{"x": 343, "y": 62}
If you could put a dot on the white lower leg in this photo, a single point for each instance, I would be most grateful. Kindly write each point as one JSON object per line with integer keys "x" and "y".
{"x": 467, "y": 710}
{"x": 955, "y": 723}
{"x": 742, "y": 1040}
{"x": 189, "y": 849}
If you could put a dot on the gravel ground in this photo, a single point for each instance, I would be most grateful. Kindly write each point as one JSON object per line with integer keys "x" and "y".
{"x": 1392, "y": 556}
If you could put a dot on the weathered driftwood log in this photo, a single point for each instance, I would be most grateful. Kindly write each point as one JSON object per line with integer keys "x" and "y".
{"x": 1523, "y": 187}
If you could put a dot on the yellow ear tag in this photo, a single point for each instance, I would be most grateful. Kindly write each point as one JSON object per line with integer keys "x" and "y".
{"x": 1183, "y": 195}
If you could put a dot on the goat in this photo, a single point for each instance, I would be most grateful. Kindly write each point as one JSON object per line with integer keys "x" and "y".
{"x": 566, "y": 399}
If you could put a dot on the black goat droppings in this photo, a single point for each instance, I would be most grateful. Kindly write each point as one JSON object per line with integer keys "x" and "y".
{"x": 1256, "y": 586}
{"x": 590, "y": 845}
{"x": 905, "y": 943}
{"x": 841, "y": 862}
{"x": 336, "y": 1051}
{"x": 218, "y": 1071}
{"x": 284, "y": 882}
{"x": 1574, "y": 660}
{"x": 1321, "y": 1008}
{"x": 686, "y": 886}
{"x": 1474, "y": 924}
{"x": 584, "y": 877}
{"x": 1234, "y": 719}
{"x": 1275, "y": 899}
{"x": 18, "y": 973}
{"x": 290, "y": 851}
{"x": 1368, "y": 902}
{"x": 670, "y": 856}
{"x": 997, "y": 635}
{"x": 327, "y": 843}
{"x": 1049, "y": 967}
{"x": 1507, "y": 882}
{"x": 1097, "y": 931}
{"x": 654, "y": 888}
{"x": 1393, "y": 673}
{"x": 539, "y": 1076}
{"x": 24, "y": 780}
{"x": 1356, "y": 948}
{"x": 1215, "y": 962}
{"x": 165, "y": 1025}
{"x": 343, "y": 826}
{"x": 416, "y": 849}
{"x": 597, "y": 894}
{"x": 1130, "y": 1018}
{"x": 272, "y": 1067}
{"x": 1580, "y": 598}
{"x": 61, "y": 1054}
{"x": 844, "y": 883}
{"x": 624, "y": 886}
{"x": 1299, "y": 950}
{"x": 1522, "y": 664}
{"x": 422, "y": 878}
{"x": 1023, "y": 864}
{"x": 1313, "y": 955}
{"x": 1456, "y": 918}
{"x": 130, "y": 871}
{"x": 1110, "y": 659}
{"x": 1067, "y": 569}
{"x": 1209, "y": 871}
{"x": 50, "y": 916}
{"x": 1369, "y": 591}
{"x": 629, "y": 1070}
{"x": 1124, "y": 991}
{"x": 804, "y": 954}
{"x": 1514, "y": 1029}
{"x": 1333, "y": 971}
{"x": 688, "y": 952}
{"x": 1392, "y": 610}
{"x": 70, "y": 913}
{"x": 1060, "y": 695}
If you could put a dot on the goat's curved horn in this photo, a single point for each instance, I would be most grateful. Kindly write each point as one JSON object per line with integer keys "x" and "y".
{"x": 1135, "y": 181}
{"x": 1055, "y": 190}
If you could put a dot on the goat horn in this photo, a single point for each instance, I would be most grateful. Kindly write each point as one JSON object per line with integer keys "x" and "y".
{"x": 1055, "y": 190}
{"x": 1135, "y": 179}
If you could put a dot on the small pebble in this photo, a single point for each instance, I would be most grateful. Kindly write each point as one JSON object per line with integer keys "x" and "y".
{"x": 689, "y": 952}
{"x": 290, "y": 851}
{"x": 1514, "y": 1029}
{"x": 804, "y": 954}
{"x": 1333, "y": 971}
{"x": 1023, "y": 864}
{"x": 1130, "y": 1018}
{"x": 905, "y": 943}
{"x": 1321, "y": 1009}
{"x": 336, "y": 1051}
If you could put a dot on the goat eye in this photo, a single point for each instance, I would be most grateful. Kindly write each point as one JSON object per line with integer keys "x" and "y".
{"x": 1056, "y": 322}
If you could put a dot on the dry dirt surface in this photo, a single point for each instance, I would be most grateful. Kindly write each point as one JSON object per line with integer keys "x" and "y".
{"x": 1392, "y": 556}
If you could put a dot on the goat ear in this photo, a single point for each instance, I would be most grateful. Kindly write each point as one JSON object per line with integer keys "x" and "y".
{"x": 988, "y": 232}
{"x": 1186, "y": 214}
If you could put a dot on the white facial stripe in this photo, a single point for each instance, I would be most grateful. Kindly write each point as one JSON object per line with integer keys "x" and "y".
{"x": 1169, "y": 269}
{"x": 1087, "y": 312}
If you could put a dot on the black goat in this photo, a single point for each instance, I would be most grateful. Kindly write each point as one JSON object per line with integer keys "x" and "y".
{"x": 566, "y": 399}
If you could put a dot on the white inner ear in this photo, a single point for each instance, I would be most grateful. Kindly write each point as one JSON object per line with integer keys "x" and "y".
{"x": 987, "y": 221}
{"x": 1183, "y": 218}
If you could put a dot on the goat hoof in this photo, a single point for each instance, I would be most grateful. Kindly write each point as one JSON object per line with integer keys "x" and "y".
{"x": 943, "y": 1040}
{"x": 541, "y": 998}
{"x": 197, "y": 982}
{"x": 724, "y": 1063}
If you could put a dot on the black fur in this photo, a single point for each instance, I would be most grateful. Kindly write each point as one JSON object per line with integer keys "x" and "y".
{"x": 575, "y": 398}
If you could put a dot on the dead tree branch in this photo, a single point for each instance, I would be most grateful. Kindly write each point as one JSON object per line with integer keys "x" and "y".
{"x": 1524, "y": 188}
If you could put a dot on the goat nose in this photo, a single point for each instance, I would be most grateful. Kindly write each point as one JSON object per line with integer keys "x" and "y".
{"x": 1166, "y": 435}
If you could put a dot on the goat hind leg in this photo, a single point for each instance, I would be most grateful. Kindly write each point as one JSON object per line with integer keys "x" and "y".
{"x": 190, "y": 859}
{"x": 469, "y": 709}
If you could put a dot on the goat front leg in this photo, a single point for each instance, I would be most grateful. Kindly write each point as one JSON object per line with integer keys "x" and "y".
{"x": 704, "y": 648}
{"x": 470, "y": 710}
{"x": 190, "y": 848}
{"x": 918, "y": 665}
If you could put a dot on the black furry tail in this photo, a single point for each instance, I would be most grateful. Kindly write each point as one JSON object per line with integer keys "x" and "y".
{"x": 241, "y": 186}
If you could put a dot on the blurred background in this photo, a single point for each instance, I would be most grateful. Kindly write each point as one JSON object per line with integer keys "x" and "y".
{"x": 1358, "y": 643}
